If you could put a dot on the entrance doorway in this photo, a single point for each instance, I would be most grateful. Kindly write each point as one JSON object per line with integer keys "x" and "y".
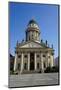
{"x": 31, "y": 61}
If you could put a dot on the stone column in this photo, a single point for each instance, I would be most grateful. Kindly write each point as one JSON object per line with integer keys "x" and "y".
{"x": 22, "y": 65}
{"x": 42, "y": 66}
{"x": 48, "y": 59}
{"x": 28, "y": 61}
{"x": 52, "y": 60}
{"x": 15, "y": 62}
{"x": 35, "y": 62}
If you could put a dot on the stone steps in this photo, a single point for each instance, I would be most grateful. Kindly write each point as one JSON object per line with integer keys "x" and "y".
{"x": 30, "y": 72}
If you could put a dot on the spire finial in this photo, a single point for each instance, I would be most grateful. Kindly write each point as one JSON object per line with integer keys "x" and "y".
{"x": 52, "y": 45}
{"x": 46, "y": 42}
{"x": 33, "y": 18}
{"x": 17, "y": 42}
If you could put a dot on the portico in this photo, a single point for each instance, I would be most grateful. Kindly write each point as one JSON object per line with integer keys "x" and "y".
{"x": 31, "y": 62}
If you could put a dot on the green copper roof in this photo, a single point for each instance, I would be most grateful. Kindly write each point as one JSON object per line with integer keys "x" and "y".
{"x": 32, "y": 21}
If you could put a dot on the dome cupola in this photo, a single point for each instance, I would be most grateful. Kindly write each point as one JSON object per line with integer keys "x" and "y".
{"x": 32, "y": 31}
{"x": 33, "y": 25}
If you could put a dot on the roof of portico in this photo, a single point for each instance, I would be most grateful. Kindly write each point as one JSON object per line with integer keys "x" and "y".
{"x": 33, "y": 44}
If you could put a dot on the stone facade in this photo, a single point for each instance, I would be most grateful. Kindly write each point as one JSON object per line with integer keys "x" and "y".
{"x": 32, "y": 55}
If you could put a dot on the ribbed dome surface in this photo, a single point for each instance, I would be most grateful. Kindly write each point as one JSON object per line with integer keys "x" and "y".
{"x": 32, "y": 21}
{"x": 33, "y": 24}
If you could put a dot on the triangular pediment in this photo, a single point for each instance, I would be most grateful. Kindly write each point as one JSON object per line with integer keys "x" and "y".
{"x": 31, "y": 44}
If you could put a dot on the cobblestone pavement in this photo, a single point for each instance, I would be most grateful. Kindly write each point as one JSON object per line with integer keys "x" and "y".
{"x": 33, "y": 79}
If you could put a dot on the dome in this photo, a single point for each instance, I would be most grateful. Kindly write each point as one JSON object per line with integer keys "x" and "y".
{"x": 33, "y": 24}
{"x": 32, "y": 31}
{"x": 32, "y": 21}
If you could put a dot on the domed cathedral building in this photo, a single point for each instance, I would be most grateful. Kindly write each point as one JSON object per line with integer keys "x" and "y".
{"x": 32, "y": 54}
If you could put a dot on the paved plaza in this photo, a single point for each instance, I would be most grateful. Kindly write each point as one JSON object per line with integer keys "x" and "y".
{"x": 33, "y": 79}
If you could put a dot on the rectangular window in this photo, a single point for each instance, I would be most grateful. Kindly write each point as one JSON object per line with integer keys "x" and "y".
{"x": 44, "y": 65}
{"x": 44, "y": 56}
{"x": 25, "y": 56}
{"x": 19, "y": 56}
{"x": 38, "y": 56}
{"x": 37, "y": 65}
{"x": 25, "y": 66}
